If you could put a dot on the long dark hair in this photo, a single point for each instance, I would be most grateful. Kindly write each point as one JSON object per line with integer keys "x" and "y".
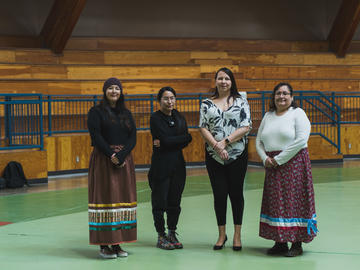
{"x": 119, "y": 111}
{"x": 272, "y": 106}
{"x": 180, "y": 121}
{"x": 233, "y": 90}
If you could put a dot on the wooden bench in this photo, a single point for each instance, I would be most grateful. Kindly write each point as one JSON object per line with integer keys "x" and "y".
{"x": 94, "y": 87}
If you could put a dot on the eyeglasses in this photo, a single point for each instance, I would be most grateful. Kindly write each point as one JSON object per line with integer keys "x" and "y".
{"x": 168, "y": 99}
{"x": 285, "y": 94}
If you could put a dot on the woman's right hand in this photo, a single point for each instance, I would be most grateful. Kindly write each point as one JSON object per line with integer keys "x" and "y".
{"x": 269, "y": 163}
{"x": 156, "y": 143}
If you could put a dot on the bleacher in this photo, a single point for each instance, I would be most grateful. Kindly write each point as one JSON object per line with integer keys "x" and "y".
{"x": 188, "y": 67}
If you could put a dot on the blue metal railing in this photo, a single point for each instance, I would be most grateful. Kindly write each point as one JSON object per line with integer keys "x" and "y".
{"x": 24, "y": 119}
{"x": 21, "y": 121}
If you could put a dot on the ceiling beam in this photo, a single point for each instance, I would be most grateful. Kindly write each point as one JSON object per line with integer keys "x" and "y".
{"x": 344, "y": 27}
{"x": 60, "y": 23}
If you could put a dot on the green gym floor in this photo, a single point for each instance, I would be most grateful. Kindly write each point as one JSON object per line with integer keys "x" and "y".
{"x": 48, "y": 227}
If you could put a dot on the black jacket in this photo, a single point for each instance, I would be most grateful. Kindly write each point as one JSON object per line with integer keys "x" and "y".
{"x": 172, "y": 131}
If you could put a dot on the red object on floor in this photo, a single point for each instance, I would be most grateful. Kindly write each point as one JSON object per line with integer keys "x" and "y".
{"x": 4, "y": 223}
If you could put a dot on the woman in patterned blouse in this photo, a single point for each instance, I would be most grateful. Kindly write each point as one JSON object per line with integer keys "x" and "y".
{"x": 224, "y": 124}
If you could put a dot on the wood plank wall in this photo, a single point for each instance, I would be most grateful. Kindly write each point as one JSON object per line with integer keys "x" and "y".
{"x": 82, "y": 72}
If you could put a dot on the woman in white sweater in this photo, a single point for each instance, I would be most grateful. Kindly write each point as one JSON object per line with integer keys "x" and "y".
{"x": 288, "y": 205}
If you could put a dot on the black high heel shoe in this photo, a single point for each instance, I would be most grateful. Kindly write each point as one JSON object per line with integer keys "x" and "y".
{"x": 235, "y": 248}
{"x": 216, "y": 247}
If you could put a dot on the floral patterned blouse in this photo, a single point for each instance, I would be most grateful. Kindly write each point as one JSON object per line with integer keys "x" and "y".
{"x": 222, "y": 123}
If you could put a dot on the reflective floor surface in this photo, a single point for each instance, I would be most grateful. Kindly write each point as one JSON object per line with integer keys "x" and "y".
{"x": 49, "y": 229}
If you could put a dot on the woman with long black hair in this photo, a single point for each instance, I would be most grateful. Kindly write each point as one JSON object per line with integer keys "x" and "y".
{"x": 224, "y": 124}
{"x": 112, "y": 185}
{"x": 167, "y": 173}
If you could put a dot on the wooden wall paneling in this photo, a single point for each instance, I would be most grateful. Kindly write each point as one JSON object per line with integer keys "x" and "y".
{"x": 152, "y": 86}
{"x": 146, "y": 57}
{"x": 49, "y": 72}
{"x": 27, "y": 158}
{"x": 143, "y": 149}
{"x": 331, "y": 59}
{"x": 68, "y": 152}
{"x": 252, "y": 154}
{"x": 134, "y": 72}
{"x": 8, "y": 71}
{"x": 266, "y": 58}
{"x": 83, "y": 57}
{"x": 350, "y": 139}
{"x": 214, "y": 68}
{"x": 218, "y": 55}
{"x": 36, "y": 56}
{"x": 195, "y": 151}
{"x": 211, "y": 75}
{"x": 281, "y": 58}
{"x": 300, "y": 72}
{"x": 321, "y": 85}
{"x": 50, "y": 146}
{"x": 7, "y": 56}
{"x": 94, "y": 87}
{"x": 220, "y": 62}
{"x": 89, "y": 72}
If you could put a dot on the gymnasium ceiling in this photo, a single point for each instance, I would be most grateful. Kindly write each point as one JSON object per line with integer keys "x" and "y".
{"x": 54, "y": 22}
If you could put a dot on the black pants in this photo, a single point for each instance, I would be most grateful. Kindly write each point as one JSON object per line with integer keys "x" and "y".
{"x": 166, "y": 197}
{"x": 228, "y": 180}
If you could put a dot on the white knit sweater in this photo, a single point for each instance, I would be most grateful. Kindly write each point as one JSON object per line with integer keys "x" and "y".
{"x": 288, "y": 133}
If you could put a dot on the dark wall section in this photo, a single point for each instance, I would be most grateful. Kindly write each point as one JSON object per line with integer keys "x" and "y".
{"x": 257, "y": 19}
{"x": 23, "y": 17}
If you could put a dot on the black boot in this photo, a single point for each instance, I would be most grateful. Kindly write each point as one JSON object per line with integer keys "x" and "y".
{"x": 278, "y": 249}
{"x": 163, "y": 242}
{"x": 173, "y": 240}
{"x": 295, "y": 250}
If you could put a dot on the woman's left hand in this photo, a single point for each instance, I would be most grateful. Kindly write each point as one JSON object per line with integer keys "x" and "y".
{"x": 220, "y": 146}
{"x": 275, "y": 164}
{"x": 224, "y": 155}
{"x": 115, "y": 160}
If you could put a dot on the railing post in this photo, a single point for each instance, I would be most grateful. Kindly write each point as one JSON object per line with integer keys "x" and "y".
{"x": 49, "y": 116}
{"x": 151, "y": 103}
{"x": 8, "y": 120}
{"x": 333, "y": 108}
{"x": 41, "y": 122}
{"x": 95, "y": 100}
{"x": 262, "y": 104}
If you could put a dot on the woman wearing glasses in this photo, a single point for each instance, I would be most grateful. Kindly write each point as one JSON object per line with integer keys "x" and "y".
{"x": 288, "y": 206}
{"x": 167, "y": 172}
